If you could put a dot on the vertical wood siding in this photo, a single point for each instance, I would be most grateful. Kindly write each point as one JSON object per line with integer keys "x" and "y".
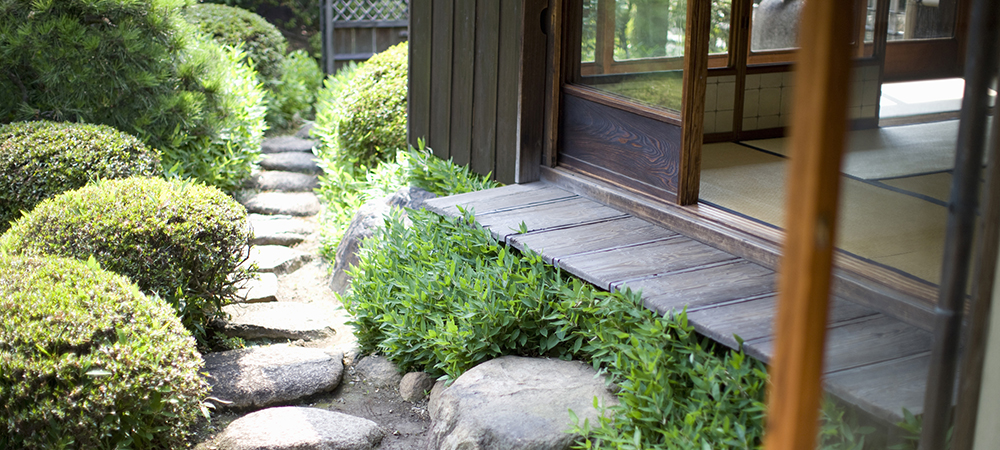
{"x": 476, "y": 91}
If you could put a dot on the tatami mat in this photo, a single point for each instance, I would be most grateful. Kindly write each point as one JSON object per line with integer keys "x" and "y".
{"x": 898, "y": 230}
{"x": 891, "y": 151}
{"x": 934, "y": 185}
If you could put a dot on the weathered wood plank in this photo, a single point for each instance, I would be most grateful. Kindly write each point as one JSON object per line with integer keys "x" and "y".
{"x": 440, "y": 113}
{"x": 713, "y": 284}
{"x": 699, "y": 26}
{"x": 490, "y": 200}
{"x": 554, "y": 245}
{"x": 484, "y": 108}
{"x": 639, "y": 261}
{"x": 554, "y": 214}
{"x": 884, "y": 389}
{"x": 507, "y": 87}
{"x": 419, "y": 104}
{"x": 754, "y": 319}
{"x": 531, "y": 92}
{"x": 622, "y": 142}
{"x": 863, "y": 342}
{"x": 463, "y": 57}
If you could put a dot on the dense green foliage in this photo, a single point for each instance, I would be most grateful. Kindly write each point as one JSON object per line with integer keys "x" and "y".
{"x": 139, "y": 67}
{"x": 298, "y": 20}
{"x": 342, "y": 193}
{"x": 290, "y": 99}
{"x": 42, "y": 159}
{"x": 177, "y": 239}
{"x": 361, "y": 118}
{"x": 442, "y": 296}
{"x": 227, "y": 25}
{"x": 87, "y": 361}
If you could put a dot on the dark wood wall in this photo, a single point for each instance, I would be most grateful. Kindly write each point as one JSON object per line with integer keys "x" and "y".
{"x": 476, "y": 88}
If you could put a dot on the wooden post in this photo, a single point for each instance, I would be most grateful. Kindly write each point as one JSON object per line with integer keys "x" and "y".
{"x": 699, "y": 16}
{"x": 818, "y": 132}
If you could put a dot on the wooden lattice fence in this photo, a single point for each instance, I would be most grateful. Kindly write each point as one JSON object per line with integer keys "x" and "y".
{"x": 354, "y": 30}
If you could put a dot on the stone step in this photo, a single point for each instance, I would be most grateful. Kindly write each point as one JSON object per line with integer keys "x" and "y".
{"x": 284, "y": 144}
{"x": 278, "y": 230}
{"x": 261, "y": 289}
{"x": 276, "y": 259}
{"x": 294, "y": 427}
{"x": 280, "y": 320}
{"x": 282, "y": 203}
{"x": 271, "y": 180}
{"x": 300, "y": 162}
{"x": 273, "y": 375}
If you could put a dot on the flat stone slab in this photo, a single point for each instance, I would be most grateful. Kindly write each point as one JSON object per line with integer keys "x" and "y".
{"x": 278, "y": 230}
{"x": 273, "y": 375}
{"x": 298, "y": 428}
{"x": 291, "y": 162}
{"x": 280, "y": 320}
{"x": 378, "y": 371}
{"x": 261, "y": 289}
{"x": 515, "y": 402}
{"x": 276, "y": 180}
{"x": 284, "y": 144}
{"x": 277, "y": 258}
{"x": 282, "y": 203}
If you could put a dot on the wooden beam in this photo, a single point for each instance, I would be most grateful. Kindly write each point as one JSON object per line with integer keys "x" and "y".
{"x": 531, "y": 92}
{"x": 818, "y": 131}
{"x": 421, "y": 48}
{"x": 699, "y": 15}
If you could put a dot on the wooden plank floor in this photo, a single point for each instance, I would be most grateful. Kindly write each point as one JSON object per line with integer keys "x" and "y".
{"x": 872, "y": 360}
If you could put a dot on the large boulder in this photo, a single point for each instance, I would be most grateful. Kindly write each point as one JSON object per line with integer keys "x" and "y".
{"x": 296, "y": 428}
{"x": 516, "y": 403}
{"x": 273, "y": 375}
{"x": 368, "y": 218}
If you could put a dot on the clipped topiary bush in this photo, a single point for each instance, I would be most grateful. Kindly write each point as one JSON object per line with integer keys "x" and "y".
{"x": 232, "y": 26}
{"x": 42, "y": 159}
{"x": 371, "y": 124}
{"x": 177, "y": 239}
{"x": 139, "y": 67}
{"x": 298, "y": 20}
{"x": 88, "y": 361}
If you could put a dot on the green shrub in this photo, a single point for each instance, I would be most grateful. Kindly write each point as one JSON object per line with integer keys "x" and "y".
{"x": 298, "y": 20}
{"x": 342, "y": 194}
{"x": 369, "y": 111}
{"x": 291, "y": 99}
{"x": 232, "y": 26}
{"x": 42, "y": 159}
{"x": 177, "y": 239}
{"x": 136, "y": 66}
{"x": 87, "y": 361}
{"x": 442, "y": 295}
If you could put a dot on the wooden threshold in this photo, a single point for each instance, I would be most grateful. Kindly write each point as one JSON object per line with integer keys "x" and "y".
{"x": 725, "y": 293}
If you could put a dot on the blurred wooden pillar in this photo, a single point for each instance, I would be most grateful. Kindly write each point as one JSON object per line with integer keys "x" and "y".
{"x": 819, "y": 124}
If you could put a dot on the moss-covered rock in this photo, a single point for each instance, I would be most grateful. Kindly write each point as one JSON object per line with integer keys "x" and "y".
{"x": 181, "y": 240}
{"x": 42, "y": 159}
{"x": 88, "y": 361}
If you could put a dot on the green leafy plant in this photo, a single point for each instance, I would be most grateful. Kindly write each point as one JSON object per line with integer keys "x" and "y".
{"x": 290, "y": 99}
{"x": 88, "y": 361}
{"x": 298, "y": 20}
{"x": 140, "y": 68}
{"x": 177, "y": 239}
{"x": 839, "y": 429}
{"x": 236, "y": 27}
{"x": 42, "y": 159}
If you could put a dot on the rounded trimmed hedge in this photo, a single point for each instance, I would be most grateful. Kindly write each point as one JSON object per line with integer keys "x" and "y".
{"x": 372, "y": 116}
{"x": 88, "y": 361}
{"x": 139, "y": 67}
{"x": 42, "y": 159}
{"x": 180, "y": 240}
{"x": 233, "y": 26}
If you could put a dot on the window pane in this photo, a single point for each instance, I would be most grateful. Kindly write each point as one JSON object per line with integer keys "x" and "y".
{"x": 775, "y": 24}
{"x": 649, "y": 29}
{"x": 588, "y": 45}
{"x": 909, "y": 19}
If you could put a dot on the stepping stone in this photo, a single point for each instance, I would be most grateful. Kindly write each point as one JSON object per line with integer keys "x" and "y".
{"x": 515, "y": 402}
{"x": 284, "y": 144}
{"x": 283, "y": 203}
{"x": 276, "y": 258}
{"x": 291, "y": 162}
{"x": 283, "y": 181}
{"x": 306, "y": 129}
{"x": 298, "y": 428}
{"x": 378, "y": 371}
{"x": 261, "y": 289}
{"x": 273, "y": 375}
{"x": 280, "y": 320}
{"x": 278, "y": 230}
